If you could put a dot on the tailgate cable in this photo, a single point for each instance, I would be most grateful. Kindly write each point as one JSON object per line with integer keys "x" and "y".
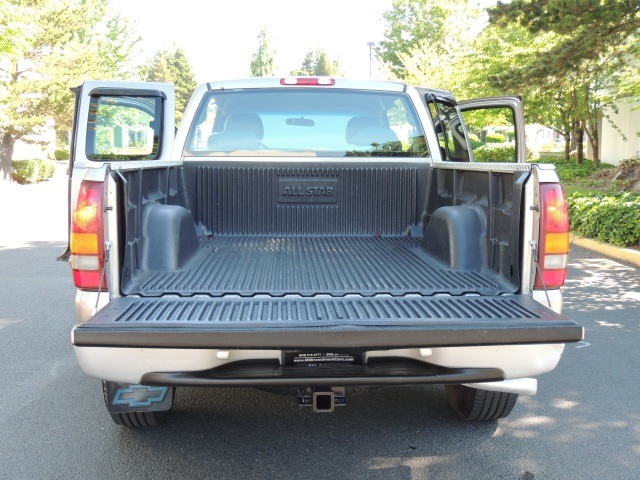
{"x": 534, "y": 247}
{"x": 107, "y": 247}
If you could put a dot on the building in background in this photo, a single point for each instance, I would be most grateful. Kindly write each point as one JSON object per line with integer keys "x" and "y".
{"x": 613, "y": 147}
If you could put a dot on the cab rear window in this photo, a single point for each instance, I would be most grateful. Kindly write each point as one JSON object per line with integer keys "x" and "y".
{"x": 306, "y": 122}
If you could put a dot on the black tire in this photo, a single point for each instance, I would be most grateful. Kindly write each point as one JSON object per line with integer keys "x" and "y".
{"x": 137, "y": 419}
{"x": 475, "y": 404}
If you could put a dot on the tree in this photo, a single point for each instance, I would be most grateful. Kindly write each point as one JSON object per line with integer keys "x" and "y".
{"x": 184, "y": 80}
{"x": 262, "y": 64}
{"x": 317, "y": 64}
{"x": 158, "y": 70}
{"x": 15, "y": 30}
{"x": 496, "y": 50}
{"x": 588, "y": 30}
{"x": 593, "y": 42}
{"x": 67, "y": 42}
{"x": 424, "y": 42}
{"x": 173, "y": 67}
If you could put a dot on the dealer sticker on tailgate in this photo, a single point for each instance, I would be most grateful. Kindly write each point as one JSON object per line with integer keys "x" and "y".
{"x": 315, "y": 358}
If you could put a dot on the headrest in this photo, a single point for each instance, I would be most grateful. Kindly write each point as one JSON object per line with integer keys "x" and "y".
{"x": 358, "y": 123}
{"x": 378, "y": 137}
{"x": 248, "y": 122}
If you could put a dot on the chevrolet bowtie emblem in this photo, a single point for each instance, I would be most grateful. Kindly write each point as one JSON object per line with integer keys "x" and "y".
{"x": 139, "y": 396}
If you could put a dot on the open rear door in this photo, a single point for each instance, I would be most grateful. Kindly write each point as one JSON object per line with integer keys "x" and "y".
{"x": 499, "y": 119}
{"x": 118, "y": 124}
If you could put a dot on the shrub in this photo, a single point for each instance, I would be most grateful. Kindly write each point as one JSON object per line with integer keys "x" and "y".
{"x": 32, "y": 171}
{"x": 532, "y": 155}
{"x": 571, "y": 170}
{"x": 608, "y": 217}
{"x": 549, "y": 146}
{"x": 25, "y": 171}
{"x": 495, "y": 138}
{"x": 475, "y": 141}
{"x": 61, "y": 154}
{"x": 493, "y": 152}
{"x": 47, "y": 169}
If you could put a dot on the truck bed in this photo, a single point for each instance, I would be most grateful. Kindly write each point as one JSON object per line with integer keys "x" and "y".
{"x": 368, "y": 238}
{"x": 307, "y": 266}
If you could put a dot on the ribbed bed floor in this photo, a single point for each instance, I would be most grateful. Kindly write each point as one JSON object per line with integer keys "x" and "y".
{"x": 306, "y": 266}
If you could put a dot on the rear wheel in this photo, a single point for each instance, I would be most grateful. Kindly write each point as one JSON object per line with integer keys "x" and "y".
{"x": 138, "y": 419}
{"x": 475, "y": 404}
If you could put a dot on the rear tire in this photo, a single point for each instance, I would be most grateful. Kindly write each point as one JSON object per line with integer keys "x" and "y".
{"x": 137, "y": 419}
{"x": 140, "y": 419}
{"x": 475, "y": 404}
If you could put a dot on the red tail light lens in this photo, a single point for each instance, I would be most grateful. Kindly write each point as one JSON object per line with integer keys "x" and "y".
{"x": 553, "y": 249}
{"x": 87, "y": 238}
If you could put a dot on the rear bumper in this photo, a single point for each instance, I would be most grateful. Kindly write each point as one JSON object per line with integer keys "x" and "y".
{"x": 392, "y": 371}
{"x": 201, "y": 367}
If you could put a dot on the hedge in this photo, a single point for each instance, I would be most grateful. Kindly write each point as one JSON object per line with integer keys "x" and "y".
{"x": 500, "y": 152}
{"x": 495, "y": 138}
{"x": 32, "y": 171}
{"x": 572, "y": 170}
{"x": 608, "y": 217}
{"x": 61, "y": 154}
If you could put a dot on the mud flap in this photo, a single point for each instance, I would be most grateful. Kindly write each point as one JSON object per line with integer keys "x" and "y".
{"x": 126, "y": 398}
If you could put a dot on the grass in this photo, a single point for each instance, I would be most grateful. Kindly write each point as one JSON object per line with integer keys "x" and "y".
{"x": 577, "y": 187}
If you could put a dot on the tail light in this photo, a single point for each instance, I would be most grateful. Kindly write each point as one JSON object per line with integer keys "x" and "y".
{"x": 87, "y": 238}
{"x": 553, "y": 251}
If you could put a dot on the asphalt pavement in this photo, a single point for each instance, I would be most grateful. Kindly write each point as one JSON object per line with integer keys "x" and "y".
{"x": 584, "y": 422}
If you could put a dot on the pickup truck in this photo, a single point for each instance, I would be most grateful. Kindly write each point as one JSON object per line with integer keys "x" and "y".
{"x": 308, "y": 235}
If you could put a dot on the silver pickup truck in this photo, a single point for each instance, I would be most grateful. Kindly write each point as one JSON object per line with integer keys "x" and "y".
{"x": 308, "y": 235}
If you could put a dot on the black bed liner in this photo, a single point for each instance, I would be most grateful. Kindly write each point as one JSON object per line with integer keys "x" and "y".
{"x": 349, "y": 322}
{"x": 336, "y": 266}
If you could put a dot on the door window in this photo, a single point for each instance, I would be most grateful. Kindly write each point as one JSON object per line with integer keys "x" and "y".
{"x": 492, "y": 134}
{"x": 124, "y": 127}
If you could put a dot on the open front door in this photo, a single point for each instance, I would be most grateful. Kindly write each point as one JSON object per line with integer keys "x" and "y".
{"x": 123, "y": 122}
{"x": 498, "y": 123}
{"x": 118, "y": 125}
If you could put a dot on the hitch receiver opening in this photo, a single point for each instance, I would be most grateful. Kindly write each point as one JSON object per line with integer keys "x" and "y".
{"x": 322, "y": 399}
{"x": 324, "y": 402}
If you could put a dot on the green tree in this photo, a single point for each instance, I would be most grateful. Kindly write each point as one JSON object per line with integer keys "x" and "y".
{"x": 184, "y": 80}
{"x": 158, "y": 70}
{"x": 317, "y": 63}
{"x": 588, "y": 30}
{"x": 173, "y": 67}
{"x": 593, "y": 41}
{"x": 67, "y": 42}
{"x": 424, "y": 42}
{"x": 15, "y": 30}
{"x": 495, "y": 50}
{"x": 262, "y": 64}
